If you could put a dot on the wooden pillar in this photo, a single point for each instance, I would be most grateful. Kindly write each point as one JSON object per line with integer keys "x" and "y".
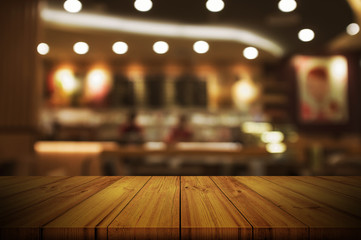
{"x": 20, "y": 86}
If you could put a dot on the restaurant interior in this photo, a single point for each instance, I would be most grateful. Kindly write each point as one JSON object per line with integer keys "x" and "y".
{"x": 180, "y": 88}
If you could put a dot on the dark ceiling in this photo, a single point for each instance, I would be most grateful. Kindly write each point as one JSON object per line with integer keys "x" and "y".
{"x": 328, "y": 18}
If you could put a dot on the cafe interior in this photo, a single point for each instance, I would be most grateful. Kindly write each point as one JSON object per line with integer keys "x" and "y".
{"x": 180, "y": 88}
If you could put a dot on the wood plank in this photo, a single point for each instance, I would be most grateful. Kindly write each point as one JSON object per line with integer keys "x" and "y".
{"x": 344, "y": 180}
{"x": 25, "y": 199}
{"x": 80, "y": 221}
{"x": 345, "y": 189}
{"x": 325, "y": 196}
{"x": 152, "y": 214}
{"x": 30, "y": 220}
{"x": 268, "y": 220}
{"x": 4, "y": 179}
{"x": 8, "y": 181}
{"x": 206, "y": 213}
{"x": 27, "y": 184}
{"x": 323, "y": 222}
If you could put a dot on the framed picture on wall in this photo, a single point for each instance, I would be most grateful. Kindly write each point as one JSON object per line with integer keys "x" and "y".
{"x": 322, "y": 89}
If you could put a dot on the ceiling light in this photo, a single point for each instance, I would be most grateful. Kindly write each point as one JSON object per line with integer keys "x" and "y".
{"x": 215, "y": 5}
{"x": 306, "y": 35}
{"x": 353, "y": 29}
{"x": 43, "y": 48}
{"x": 201, "y": 47}
{"x": 160, "y": 47}
{"x": 287, "y": 5}
{"x": 250, "y": 53}
{"x": 161, "y": 29}
{"x": 72, "y": 6}
{"x": 120, "y": 47}
{"x": 81, "y": 48}
{"x": 143, "y": 5}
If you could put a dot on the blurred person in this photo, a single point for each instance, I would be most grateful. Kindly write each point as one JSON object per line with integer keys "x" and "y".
{"x": 130, "y": 132}
{"x": 319, "y": 105}
{"x": 180, "y": 133}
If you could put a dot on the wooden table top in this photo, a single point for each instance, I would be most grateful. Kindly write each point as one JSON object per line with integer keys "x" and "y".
{"x": 180, "y": 207}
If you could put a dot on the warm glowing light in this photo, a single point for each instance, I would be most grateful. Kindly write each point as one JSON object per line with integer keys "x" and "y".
{"x": 98, "y": 84}
{"x": 256, "y": 127}
{"x": 353, "y": 29}
{"x": 215, "y": 5}
{"x": 250, "y": 53}
{"x": 72, "y": 6}
{"x": 244, "y": 91}
{"x": 208, "y": 146}
{"x": 161, "y": 29}
{"x": 338, "y": 67}
{"x": 201, "y": 47}
{"x": 143, "y": 5}
{"x": 81, "y": 48}
{"x": 155, "y": 145}
{"x": 160, "y": 47}
{"x": 120, "y": 47}
{"x": 276, "y": 147}
{"x": 67, "y": 80}
{"x": 43, "y": 48}
{"x": 70, "y": 147}
{"x": 96, "y": 79}
{"x": 306, "y": 35}
{"x": 272, "y": 137}
{"x": 287, "y": 5}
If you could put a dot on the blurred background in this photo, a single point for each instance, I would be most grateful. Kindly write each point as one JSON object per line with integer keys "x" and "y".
{"x": 181, "y": 87}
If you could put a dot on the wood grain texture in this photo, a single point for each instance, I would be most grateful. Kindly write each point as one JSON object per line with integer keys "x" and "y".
{"x": 31, "y": 219}
{"x": 152, "y": 214}
{"x": 345, "y": 189}
{"x": 41, "y": 193}
{"x": 323, "y": 222}
{"x": 13, "y": 187}
{"x": 268, "y": 220}
{"x": 344, "y": 180}
{"x": 9, "y": 181}
{"x": 322, "y": 195}
{"x": 206, "y": 213}
{"x": 181, "y": 207}
{"x": 81, "y": 221}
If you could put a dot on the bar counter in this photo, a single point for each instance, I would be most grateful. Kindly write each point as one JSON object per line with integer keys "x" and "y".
{"x": 144, "y": 207}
